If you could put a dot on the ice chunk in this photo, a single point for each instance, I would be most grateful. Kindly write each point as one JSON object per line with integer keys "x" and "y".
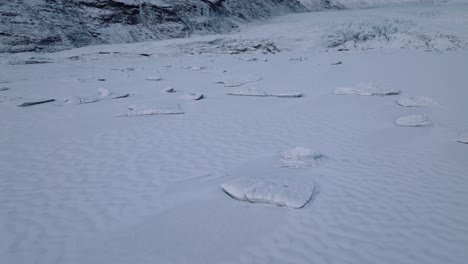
{"x": 413, "y": 121}
{"x": 239, "y": 82}
{"x": 367, "y": 89}
{"x": 154, "y": 78}
{"x": 299, "y": 157}
{"x": 417, "y": 101}
{"x": 280, "y": 192}
{"x": 155, "y": 110}
{"x": 192, "y": 96}
{"x": 463, "y": 138}
{"x": 169, "y": 89}
{"x": 256, "y": 92}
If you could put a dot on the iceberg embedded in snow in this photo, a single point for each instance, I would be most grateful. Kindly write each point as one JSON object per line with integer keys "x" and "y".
{"x": 413, "y": 121}
{"x": 299, "y": 157}
{"x": 417, "y": 101}
{"x": 280, "y": 192}
{"x": 143, "y": 110}
{"x": 255, "y": 92}
{"x": 366, "y": 89}
{"x": 463, "y": 138}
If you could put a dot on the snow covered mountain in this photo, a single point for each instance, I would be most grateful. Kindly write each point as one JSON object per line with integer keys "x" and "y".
{"x": 50, "y": 25}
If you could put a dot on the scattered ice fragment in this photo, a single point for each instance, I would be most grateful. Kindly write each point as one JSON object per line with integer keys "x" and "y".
{"x": 31, "y": 103}
{"x": 413, "y": 121}
{"x": 366, "y": 89}
{"x": 300, "y": 157}
{"x": 463, "y": 138}
{"x": 154, "y": 79}
{"x": 417, "y": 101}
{"x": 154, "y": 110}
{"x": 192, "y": 96}
{"x": 256, "y": 92}
{"x": 280, "y": 192}
{"x": 169, "y": 89}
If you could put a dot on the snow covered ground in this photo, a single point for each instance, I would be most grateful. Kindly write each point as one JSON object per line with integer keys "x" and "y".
{"x": 80, "y": 185}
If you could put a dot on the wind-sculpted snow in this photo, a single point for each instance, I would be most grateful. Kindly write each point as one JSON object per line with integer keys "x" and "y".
{"x": 50, "y": 25}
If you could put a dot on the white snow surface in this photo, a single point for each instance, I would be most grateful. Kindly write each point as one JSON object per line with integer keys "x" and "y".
{"x": 79, "y": 186}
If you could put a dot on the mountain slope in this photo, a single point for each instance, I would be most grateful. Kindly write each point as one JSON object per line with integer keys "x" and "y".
{"x": 51, "y": 25}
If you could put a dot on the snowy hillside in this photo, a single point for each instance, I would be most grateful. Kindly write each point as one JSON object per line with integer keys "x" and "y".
{"x": 326, "y": 137}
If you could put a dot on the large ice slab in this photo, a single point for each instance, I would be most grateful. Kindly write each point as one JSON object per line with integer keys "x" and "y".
{"x": 280, "y": 192}
{"x": 413, "y": 121}
{"x": 417, "y": 101}
{"x": 151, "y": 110}
{"x": 260, "y": 93}
{"x": 366, "y": 89}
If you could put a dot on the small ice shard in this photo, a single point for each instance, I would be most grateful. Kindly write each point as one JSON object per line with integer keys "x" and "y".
{"x": 280, "y": 192}
{"x": 154, "y": 79}
{"x": 169, "y": 89}
{"x": 299, "y": 157}
{"x": 463, "y": 138}
{"x": 413, "y": 121}
{"x": 31, "y": 103}
{"x": 155, "y": 110}
{"x": 192, "y": 96}
{"x": 417, "y": 101}
{"x": 256, "y": 92}
{"x": 366, "y": 89}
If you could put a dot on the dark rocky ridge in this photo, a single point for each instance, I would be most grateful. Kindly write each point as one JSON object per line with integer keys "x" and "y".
{"x": 52, "y": 25}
